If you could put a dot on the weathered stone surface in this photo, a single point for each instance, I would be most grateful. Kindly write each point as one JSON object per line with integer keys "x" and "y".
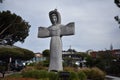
{"x": 56, "y": 31}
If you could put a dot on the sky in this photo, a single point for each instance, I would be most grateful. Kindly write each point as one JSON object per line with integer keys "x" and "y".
{"x": 95, "y": 27}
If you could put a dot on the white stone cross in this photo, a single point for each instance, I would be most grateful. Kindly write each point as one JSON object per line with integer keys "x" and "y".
{"x": 56, "y": 31}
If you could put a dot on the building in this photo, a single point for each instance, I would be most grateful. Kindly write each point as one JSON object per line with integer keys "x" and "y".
{"x": 114, "y": 52}
{"x": 38, "y": 57}
{"x": 73, "y": 58}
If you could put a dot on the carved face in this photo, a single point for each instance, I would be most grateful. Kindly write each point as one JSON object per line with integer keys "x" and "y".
{"x": 54, "y": 18}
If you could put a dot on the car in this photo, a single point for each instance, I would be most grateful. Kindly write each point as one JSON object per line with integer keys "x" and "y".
{"x": 16, "y": 65}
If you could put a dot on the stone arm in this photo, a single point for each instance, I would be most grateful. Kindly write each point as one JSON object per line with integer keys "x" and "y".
{"x": 68, "y": 29}
{"x": 43, "y": 32}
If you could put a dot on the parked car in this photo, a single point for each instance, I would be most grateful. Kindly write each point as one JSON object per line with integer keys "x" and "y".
{"x": 17, "y": 65}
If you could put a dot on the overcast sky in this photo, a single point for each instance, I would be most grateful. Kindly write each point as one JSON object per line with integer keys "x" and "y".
{"x": 95, "y": 27}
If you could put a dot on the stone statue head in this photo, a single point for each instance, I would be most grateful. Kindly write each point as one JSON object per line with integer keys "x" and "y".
{"x": 55, "y": 17}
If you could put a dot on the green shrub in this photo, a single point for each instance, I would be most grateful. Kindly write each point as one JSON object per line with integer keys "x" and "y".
{"x": 46, "y": 63}
{"x": 93, "y": 73}
{"x": 87, "y": 72}
{"x": 32, "y": 64}
{"x": 73, "y": 76}
{"x": 28, "y": 68}
{"x": 53, "y": 76}
{"x": 82, "y": 75}
{"x": 16, "y": 75}
{"x": 40, "y": 66}
{"x": 3, "y": 68}
{"x": 69, "y": 69}
{"x": 97, "y": 74}
{"x": 38, "y": 74}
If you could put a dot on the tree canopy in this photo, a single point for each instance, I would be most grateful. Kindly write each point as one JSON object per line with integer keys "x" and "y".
{"x": 1, "y": 1}
{"x": 46, "y": 53}
{"x": 117, "y": 2}
{"x": 15, "y": 53}
{"x": 12, "y": 28}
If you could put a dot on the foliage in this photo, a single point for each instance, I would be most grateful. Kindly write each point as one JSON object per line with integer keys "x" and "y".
{"x": 89, "y": 61}
{"x": 27, "y": 68}
{"x": 6, "y": 53}
{"x": 15, "y": 75}
{"x": 82, "y": 75}
{"x": 106, "y": 61}
{"x": 53, "y": 76}
{"x": 103, "y": 60}
{"x": 69, "y": 69}
{"x": 17, "y": 78}
{"x": 27, "y": 54}
{"x": 2, "y": 68}
{"x": 38, "y": 74}
{"x": 46, "y": 53}
{"x": 87, "y": 72}
{"x": 117, "y": 2}
{"x": 67, "y": 61}
{"x": 94, "y": 73}
{"x": 46, "y": 63}
{"x": 1, "y": 1}
{"x": 15, "y": 53}
{"x": 97, "y": 74}
{"x": 12, "y": 28}
{"x": 32, "y": 64}
{"x": 73, "y": 76}
{"x": 39, "y": 66}
{"x": 114, "y": 68}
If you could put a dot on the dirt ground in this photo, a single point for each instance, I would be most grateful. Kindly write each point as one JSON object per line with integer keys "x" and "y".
{"x": 17, "y": 79}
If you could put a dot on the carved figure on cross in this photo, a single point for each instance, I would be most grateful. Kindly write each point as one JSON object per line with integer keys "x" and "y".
{"x": 56, "y": 31}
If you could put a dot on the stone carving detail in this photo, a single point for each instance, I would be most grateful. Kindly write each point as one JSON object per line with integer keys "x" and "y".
{"x": 56, "y": 31}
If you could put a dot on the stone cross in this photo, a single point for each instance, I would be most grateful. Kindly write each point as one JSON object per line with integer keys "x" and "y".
{"x": 56, "y": 31}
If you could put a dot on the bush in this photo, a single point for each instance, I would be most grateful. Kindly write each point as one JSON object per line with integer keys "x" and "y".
{"x": 69, "y": 69}
{"x": 40, "y": 66}
{"x": 28, "y": 68}
{"x": 94, "y": 73}
{"x": 82, "y": 75}
{"x": 53, "y": 76}
{"x": 31, "y": 64}
{"x": 87, "y": 72}
{"x": 97, "y": 74}
{"x": 73, "y": 76}
{"x": 38, "y": 74}
{"x": 16, "y": 75}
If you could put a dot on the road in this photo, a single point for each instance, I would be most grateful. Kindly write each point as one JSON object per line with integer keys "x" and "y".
{"x": 112, "y": 78}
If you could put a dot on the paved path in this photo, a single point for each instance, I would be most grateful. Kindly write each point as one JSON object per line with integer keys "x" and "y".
{"x": 7, "y": 73}
{"x": 112, "y": 78}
